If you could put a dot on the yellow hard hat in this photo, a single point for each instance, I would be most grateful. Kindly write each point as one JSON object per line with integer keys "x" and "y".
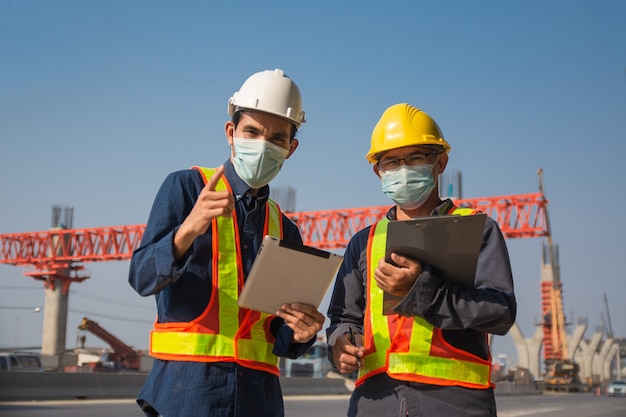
{"x": 404, "y": 125}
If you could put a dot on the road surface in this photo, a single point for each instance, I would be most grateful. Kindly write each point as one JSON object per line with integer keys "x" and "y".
{"x": 548, "y": 405}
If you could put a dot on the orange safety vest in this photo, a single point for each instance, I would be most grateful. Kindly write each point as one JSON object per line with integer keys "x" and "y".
{"x": 409, "y": 348}
{"x": 223, "y": 332}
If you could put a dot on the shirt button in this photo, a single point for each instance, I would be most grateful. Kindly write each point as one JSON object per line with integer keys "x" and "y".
{"x": 245, "y": 246}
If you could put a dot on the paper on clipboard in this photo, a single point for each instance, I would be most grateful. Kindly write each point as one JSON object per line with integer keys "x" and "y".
{"x": 285, "y": 272}
{"x": 451, "y": 244}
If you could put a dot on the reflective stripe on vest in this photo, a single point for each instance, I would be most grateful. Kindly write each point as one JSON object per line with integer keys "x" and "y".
{"x": 217, "y": 334}
{"x": 409, "y": 355}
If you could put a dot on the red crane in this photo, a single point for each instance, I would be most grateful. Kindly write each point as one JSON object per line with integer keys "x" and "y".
{"x": 59, "y": 254}
{"x": 123, "y": 355}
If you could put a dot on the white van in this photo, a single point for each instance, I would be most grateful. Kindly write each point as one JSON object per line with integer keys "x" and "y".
{"x": 314, "y": 363}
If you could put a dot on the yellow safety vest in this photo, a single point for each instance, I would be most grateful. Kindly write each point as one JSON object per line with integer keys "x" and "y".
{"x": 224, "y": 332}
{"x": 409, "y": 348}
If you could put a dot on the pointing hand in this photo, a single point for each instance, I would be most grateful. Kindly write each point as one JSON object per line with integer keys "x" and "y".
{"x": 209, "y": 205}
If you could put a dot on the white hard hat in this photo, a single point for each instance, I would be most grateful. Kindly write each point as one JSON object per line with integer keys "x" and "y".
{"x": 271, "y": 92}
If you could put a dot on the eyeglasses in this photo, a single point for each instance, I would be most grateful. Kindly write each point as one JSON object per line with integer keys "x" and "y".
{"x": 417, "y": 158}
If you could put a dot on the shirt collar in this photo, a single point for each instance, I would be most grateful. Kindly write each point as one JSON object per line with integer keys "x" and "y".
{"x": 239, "y": 187}
{"x": 441, "y": 209}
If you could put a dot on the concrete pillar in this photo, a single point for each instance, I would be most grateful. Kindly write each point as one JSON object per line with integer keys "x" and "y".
{"x": 528, "y": 350}
{"x": 534, "y": 352}
{"x": 584, "y": 356}
{"x": 55, "y": 314}
{"x": 599, "y": 359}
{"x": 575, "y": 338}
{"x": 612, "y": 356}
{"x": 520, "y": 345}
{"x": 55, "y": 319}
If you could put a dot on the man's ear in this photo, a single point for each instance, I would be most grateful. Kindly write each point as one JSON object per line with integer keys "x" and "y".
{"x": 442, "y": 161}
{"x": 376, "y": 170}
{"x": 293, "y": 145}
{"x": 229, "y": 129}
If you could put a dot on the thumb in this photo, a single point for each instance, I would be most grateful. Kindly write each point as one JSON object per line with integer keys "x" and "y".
{"x": 212, "y": 182}
{"x": 402, "y": 261}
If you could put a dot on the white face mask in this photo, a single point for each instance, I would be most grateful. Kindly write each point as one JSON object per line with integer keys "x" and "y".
{"x": 408, "y": 186}
{"x": 257, "y": 161}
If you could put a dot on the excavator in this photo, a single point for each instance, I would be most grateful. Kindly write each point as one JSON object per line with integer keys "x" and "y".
{"x": 124, "y": 357}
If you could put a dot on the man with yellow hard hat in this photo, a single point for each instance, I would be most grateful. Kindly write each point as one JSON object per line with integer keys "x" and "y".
{"x": 430, "y": 356}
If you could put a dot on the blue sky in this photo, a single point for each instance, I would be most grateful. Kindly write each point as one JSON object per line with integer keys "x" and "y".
{"x": 99, "y": 101}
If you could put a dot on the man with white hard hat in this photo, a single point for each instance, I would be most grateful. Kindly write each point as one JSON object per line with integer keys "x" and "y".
{"x": 213, "y": 358}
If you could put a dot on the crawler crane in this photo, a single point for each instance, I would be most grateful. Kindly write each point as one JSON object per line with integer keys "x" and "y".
{"x": 561, "y": 371}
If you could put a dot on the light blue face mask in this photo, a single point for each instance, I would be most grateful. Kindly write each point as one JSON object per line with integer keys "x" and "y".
{"x": 257, "y": 161}
{"x": 408, "y": 186}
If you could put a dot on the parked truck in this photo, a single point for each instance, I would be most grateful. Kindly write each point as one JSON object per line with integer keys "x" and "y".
{"x": 20, "y": 361}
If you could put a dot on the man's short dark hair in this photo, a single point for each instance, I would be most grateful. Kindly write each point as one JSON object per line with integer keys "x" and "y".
{"x": 237, "y": 117}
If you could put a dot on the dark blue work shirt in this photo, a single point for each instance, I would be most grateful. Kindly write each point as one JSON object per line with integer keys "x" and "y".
{"x": 465, "y": 316}
{"x": 182, "y": 291}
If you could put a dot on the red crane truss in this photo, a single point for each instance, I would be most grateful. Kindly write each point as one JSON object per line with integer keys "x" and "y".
{"x": 57, "y": 254}
{"x": 519, "y": 216}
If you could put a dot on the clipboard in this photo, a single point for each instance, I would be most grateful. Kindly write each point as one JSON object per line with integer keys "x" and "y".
{"x": 285, "y": 272}
{"x": 451, "y": 244}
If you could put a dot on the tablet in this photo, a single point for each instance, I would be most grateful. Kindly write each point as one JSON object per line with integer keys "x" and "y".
{"x": 285, "y": 272}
